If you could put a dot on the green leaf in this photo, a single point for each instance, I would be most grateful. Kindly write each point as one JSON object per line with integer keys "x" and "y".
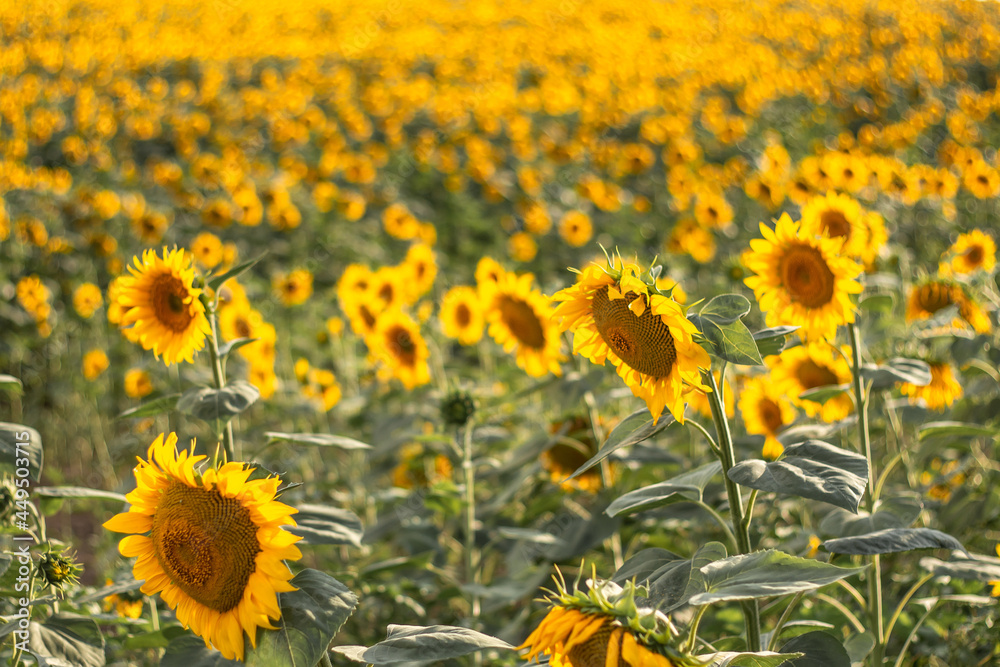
{"x": 688, "y": 486}
{"x": 764, "y": 574}
{"x": 113, "y": 589}
{"x": 320, "y": 439}
{"x": 14, "y": 445}
{"x": 415, "y": 643}
{"x": 899, "y": 369}
{"x": 976, "y": 568}
{"x": 155, "y": 407}
{"x": 817, "y": 649}
{"x": 190, "y": 651}
{"x": 858, "y": 646}
{"x": 158, "y": 639}
{"x": 772, "y": 340}
{"x": 823, "y": 394}
{"x": 892, "y": 540}
{"x": 217, "y": 281}
{"x": 11, "y": 384}
{"x": 726, "y": 309}
{"x": 229, "y": 347}
{"x": 707, "y": 554}
{"x": 208, "y": 403}
{"x": 319, "y": 524}
{"x": 68, "y": 638}
{"x": 632, "y": 430}
{"x": 5, "y": 562}
{"x": 732, "y": 659}
{"x": 77, "y": 492}
{"x": 731, "y": 341}
{"x": 878, "y": 303}
{"x": 899, "y": 512}
{"x": 310, "y": 618}
{"x": 813, "y": 469}
{"x": 953, "y": 429}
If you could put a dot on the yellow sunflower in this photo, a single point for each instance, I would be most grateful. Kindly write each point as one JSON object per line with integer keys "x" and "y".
{"x": 488, "y": 274}
{"x": 569, "y": 453}
{"x": 87, "y": 299}
{"x": 766, "y": 411}
{"x": 972, "y": 252}
{"x": 422, "y": 269}
{"x": 161, "y": 305}
{"x": 137, "y": 383}
{"x": 942, "y": 391}
{"x": 520, "y": 320}
{"x": 397, "y": 344}
{"x": 837, "y": 216}
{"x": 462, "y": 315}
{"x": 239, "y": 320}
{"x": 95, "y": 362}
{"x": 646, "y": 335}
{"x": 935, "y": 295}
{"x": 210, "y": 542}
{"x": 575, "y": 228}
{"x": 806, "y": 367}
{"x": 294, "y": 288}
{"x": 802, "y": 280}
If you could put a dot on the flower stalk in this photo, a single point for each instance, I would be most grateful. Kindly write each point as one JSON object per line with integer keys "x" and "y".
{"x": 219, "y": 377}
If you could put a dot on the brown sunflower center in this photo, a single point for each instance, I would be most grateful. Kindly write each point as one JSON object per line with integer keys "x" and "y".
{"x": 835, "y": 223}
{"x": 932, "y": 297}
{"x": 806, "y": 276}
{"x": 206, "y": 543}
{"x": 462, "y": 315}
{"x": 982, "y": 179}
{"x": 366, "y": 316}
{"x": 522, "y": 321}
{"x": 594, "y": 651}
{"x": 167, "y": 295}
{"x": 644, "y": 343}
{"x": 386, "y": 292}
{"x": 812, "y": 375}
{"x": 974, "y": 255}
{"x": 770, "y": 414}
{"x": 401, "y": 345}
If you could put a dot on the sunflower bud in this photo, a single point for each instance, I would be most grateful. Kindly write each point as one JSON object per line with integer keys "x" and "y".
{"x": 457, "y": 408}
{"x": 58, "y": 569}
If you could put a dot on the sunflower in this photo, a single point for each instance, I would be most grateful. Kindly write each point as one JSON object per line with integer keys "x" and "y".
{"x": 688, "y": 237}
{"x": 615, "y": 315}
{"x": 806, "y": 367}
{"x": 522, "y": 247}
{"x": 570, "y": 452}
{"x": 389, "y": 288}
{"x": 396, "y": 343}
{"x": 462, "y": 315}
{"x": 519, "y": 319}
{"x": 931, "y": 296}
{"x": 211, "y": 543}
{"x": 575, "y": 228}
{"x": 837, "y": 216}
{"x": 239, "y": 320}
{"x": 207, "y": 249}
{"x": 488, "y": 274}
{"x": 603, "y": 627}
{"x": 137, "y": 383}
{"x": 801, "y": 279}
{"x": 87, "y": 299}
{"x": 419, "y": 468}
{"x": 422, "y": 267}
{"x": 295, "y": 288}
{"x": 941, "y": 392}
{"x": 162, "y": 306}
{"x": 766, "y": 411}
{"x": 972, "y": 252}
{"x": 95, "y": 362}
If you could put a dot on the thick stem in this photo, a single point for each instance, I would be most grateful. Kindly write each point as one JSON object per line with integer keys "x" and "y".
{"x": 875, "y": 575}
{"x": 220, "y": 381}
{"x": 751, "y": 612}
{"x": 471, "y": 574}
{"x": 595, "y": 427}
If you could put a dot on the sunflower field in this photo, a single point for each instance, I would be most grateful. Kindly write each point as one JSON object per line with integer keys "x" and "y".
{"x": 588, "y": 333}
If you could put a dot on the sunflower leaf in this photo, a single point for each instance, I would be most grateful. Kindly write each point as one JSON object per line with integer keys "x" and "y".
{"x": 817, "y": 649}
{"x": 731, "y": 341}
{"x": 946, "y": 429}
{"x": 18, "y": 442}
{"x": 892, "y": 540}
{"x": 824, "y": 393}
{"x": 157, "y": 406}
{"x": 899, "y": 369}
{"x": 77, "y": 492}
{"x": 977, "y": 568}
{"x": 734, "y": 659}
{"x": 310, "y": 617}
{"x": 688, "y": 486}
{"x": 190, "y": 651}
{"x": 10, "y": 383}
{"x": 320, "y": 439}
{"x": 207, "y": 403}
{"x": 813, "y": 469}
{"x": 319, "y": 524}
{"x": 632, "y": 430}
{"x": 726, "y": 308}
{"x": 218, "y": 281}
{"x": 67, "y": 639}
{"x": 413, "y": 642}
{"x": 229, "y": 347}
{"x": 898, "y": 512}
{"x": 772, "y": 340}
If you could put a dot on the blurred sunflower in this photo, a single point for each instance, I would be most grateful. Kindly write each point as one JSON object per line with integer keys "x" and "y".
{"x": 397, "y": 344}
{"x": 389, "y": 288}
{"x": 207, "y": 249}
{"x": 87, "y": 299}
{"x": 488, "y": 273}
{"x": 211, "y": 543}
{"x": 295, "y": 288}
{"x": 519, "y": 319}
{"x": 941, "y": 392}
{"x": 239, "y": 321}
{"x": 575, "y": 228}
{"x": 806, "y": 367}
{"x": 803, "y": 280}
{"x": 766, "y": 411}
{"x": 972, "y": 252}
{"x": 137, "y": 383}
{"x": 162, "y": 306}
{"x": 422, "y": 267}
{"x": 933, "y": 295}
{"x": 462, "y": 315}
{"x": 574, "y": 448}
{"x": 417, "y": 468}
{"x": 837, "y": 216}
{"x": 615, "y": 315}
{"x": 95, "y": 362}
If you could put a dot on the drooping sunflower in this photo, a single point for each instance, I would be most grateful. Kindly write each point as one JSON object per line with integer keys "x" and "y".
{"x": 161, "y": 305}
{"x": 399, "y": 348}
{"x": 616, "y": 315}
{"x": 766, "y": 411}
{"x": 211, "y": 543}
{"x": 603, "y": 627}
{"x": 806, "y": 367}
{"x": 931, "y": 296}
{"x": 941, "y": 392}
{"x": 801, "y": 279}
{"x": 520, "y": 320}
{"x": 462, "y": 315}
{"x": 972, "y": 252}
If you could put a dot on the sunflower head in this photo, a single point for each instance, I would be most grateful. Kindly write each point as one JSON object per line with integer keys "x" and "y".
{"x": 210, "y": 541}
{"x": 58, "y": 569}
{"x": 457, "y": 408}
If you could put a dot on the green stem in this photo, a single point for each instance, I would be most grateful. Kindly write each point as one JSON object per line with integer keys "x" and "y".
{"x": 606, "y": 481}
{"x": 902, "y": 603}
{"x": 719, "y": 520}
{"x": 913, "y": 633}
{"x": 751, "y": 612}
{"x": 326, "y": 660}
{"x": 471, "y": 575}
{"x": 689, "y": 643}
{"x": 219, "y": 375}
{"x": 875, "y": 575}
{"x": 782, "y": 620}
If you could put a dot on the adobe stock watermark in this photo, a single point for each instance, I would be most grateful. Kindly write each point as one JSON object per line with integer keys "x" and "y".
{"x": 22, "y": 551}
